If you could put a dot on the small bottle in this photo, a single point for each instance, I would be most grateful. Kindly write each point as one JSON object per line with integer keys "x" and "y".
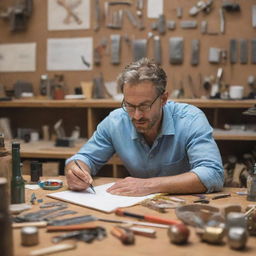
{"x": 6, "y": 241}
{"x": 5, "y": 165}
{"x": 35, "y": 171}
{"x": 251, "y": 185}
{"x": 17, "y": 183}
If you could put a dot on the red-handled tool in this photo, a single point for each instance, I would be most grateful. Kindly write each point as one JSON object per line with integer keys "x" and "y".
{"x": 149, "y": 218}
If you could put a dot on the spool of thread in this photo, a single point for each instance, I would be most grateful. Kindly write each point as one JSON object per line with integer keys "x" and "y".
{"x": 35, "y": 171}
{"x": 29, "y": 236}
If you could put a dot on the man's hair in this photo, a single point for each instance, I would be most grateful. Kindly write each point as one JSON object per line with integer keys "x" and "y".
{"x": 143, "y": 70}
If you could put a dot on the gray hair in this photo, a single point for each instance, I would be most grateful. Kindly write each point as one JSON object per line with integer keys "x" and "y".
{"x": 143, "y": 70}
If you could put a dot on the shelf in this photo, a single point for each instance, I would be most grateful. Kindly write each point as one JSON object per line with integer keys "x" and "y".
{"x": 220, "y": 134}
{"x": 46, "y": 149}
{"x": 110, "y": 103}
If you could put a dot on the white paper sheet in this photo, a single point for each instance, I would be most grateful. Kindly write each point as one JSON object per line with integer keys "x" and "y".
{"x": 101, "y": 200}
{"x": 19, "y": 57}
{"x": 67, "y": 53}
{"x": 74, "y": 14}
{"x": 155, "y": 8}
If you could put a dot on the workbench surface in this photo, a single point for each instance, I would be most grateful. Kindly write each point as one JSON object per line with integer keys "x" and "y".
{"x": 143, "y": 246}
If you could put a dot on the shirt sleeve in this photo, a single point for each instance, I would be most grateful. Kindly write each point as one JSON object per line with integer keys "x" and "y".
{"x": 203, "y": 153}
{"x": 98, "y": 149}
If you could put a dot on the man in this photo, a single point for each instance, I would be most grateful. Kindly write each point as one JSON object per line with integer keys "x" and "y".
{"x": 165, "y": 146}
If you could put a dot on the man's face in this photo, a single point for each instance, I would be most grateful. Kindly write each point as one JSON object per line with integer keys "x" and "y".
{"x": 138, "y": 98}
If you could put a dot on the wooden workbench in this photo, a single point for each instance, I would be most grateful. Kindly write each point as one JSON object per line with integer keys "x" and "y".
{"x": 111, "y": 246}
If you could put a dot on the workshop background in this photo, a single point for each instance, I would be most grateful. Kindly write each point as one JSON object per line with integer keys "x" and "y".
{"x": 206, "y": 47}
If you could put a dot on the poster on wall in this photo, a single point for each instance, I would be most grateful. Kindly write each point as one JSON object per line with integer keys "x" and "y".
{"x": 66, "y": 54}
{"x": 68, "y": 14}
{"x": 20, "y": 57}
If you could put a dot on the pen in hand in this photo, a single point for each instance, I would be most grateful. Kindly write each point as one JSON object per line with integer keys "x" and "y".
{"x": 79, "y": 166}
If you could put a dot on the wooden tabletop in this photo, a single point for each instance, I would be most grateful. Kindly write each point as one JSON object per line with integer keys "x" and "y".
{"x": 160, "y": 245}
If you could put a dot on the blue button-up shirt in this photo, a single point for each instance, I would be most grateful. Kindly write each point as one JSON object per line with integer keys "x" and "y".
{"x": 184, "y": 144}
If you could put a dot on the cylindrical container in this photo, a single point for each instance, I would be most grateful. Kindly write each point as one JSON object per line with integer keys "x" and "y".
{"x": 17, "y": 183}
{"x": 236, "y": 92}
{"x": 5, "y": 165}
{"x": 251, "y": 186}
{"x": 237, "y": 238}
{"x": 35, "y": 171}
{"x": 236, "y": 219}
{"x": 6, "y": 245}
{"x": 29, "y": 236}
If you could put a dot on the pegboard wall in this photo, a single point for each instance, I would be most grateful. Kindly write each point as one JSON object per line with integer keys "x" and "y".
{"x": 238, "y": 25}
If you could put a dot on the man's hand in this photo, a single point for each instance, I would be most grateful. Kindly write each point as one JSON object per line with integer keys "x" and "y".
{"x": 77, "y": 179}
{"x": 132, "y": 187}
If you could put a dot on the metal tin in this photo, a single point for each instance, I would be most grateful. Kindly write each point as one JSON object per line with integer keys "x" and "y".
{"x": 237, "y": 238}
{"x": 29, "y": 236}
{"x": 213, "y": 235}
{"x": 236, "y": 219}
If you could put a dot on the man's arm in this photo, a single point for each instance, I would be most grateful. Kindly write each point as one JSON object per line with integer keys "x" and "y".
{"x": 76, "y": 178}
{"x": 186, "y": 183}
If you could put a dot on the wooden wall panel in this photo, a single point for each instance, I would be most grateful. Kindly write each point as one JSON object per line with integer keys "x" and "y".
{"x": 238, "y": 26}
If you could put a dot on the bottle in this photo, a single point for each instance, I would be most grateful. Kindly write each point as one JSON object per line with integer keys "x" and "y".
{"x": 6, "y": 245}
{"x": 251, "y": 185}
{"x": 5, "y": 165}
{"x": 17, "y": 183}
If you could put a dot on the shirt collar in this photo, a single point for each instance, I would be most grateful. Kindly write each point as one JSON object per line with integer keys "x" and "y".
{"x": 167, "y": 124}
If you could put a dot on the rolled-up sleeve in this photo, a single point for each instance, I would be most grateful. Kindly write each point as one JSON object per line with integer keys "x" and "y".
{"x": 203, "y": 153}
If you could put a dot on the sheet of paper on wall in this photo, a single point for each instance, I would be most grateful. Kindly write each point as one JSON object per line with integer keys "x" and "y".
{"x": 155, "y": 8}
{"x": 69, "y": 54}
{"x": 101, "y": 200}
{"x": 68, "y": 14}
{"x": 20, "y": 57}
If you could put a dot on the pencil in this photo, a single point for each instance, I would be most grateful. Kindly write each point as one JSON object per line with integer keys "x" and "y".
{"x": 79, "y": 166}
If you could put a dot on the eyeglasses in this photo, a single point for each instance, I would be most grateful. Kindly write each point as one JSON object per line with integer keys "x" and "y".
{"x": 142, "y": 107}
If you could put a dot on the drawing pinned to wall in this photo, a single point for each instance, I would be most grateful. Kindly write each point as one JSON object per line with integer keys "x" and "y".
{"x": 20, "y": 57}
{"x": 68, "y": 14}
{"x": 69, "y": 54}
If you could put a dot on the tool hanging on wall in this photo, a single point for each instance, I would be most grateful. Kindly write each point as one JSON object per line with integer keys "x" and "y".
{"x": 254, "y": 16}
{"x": 171, "y": 24}
{"x": 18, "y": 15}
{"x": 115, "y": 48}
{"x": 201, "y": 6}
{"x": 195, "y": 52}
{"x": 97, "y": 15}
{"x": 176, "y": 45}
{"x": 233, "y": 51}
{"x": 157, "y": 50}
{"x": 139, "y": 49}
{"x": 253, "y": 51}
{"x": 160, "y": 25}
{"x": 188, "y": 24}
{"x": 99, "y": 50}
{"x": 243, "y": 51}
